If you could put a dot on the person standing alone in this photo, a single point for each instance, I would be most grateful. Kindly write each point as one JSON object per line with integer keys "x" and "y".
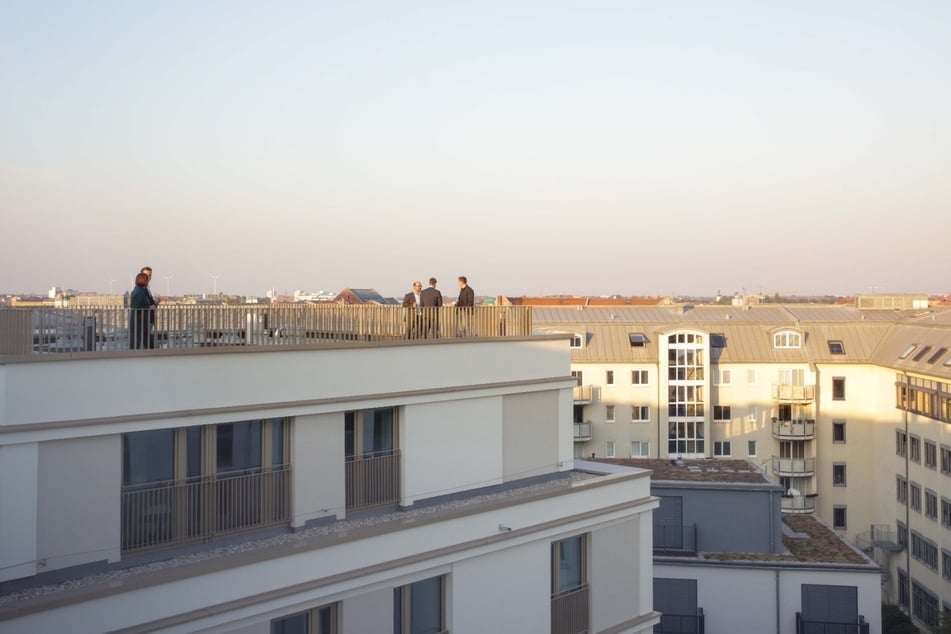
{"x": 465, "y": 307}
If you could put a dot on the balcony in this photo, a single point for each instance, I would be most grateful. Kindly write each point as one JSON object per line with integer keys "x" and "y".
{"x": 39, "y": 331}
{"x": 805, "y": 626}
{"x": 681, "y": 623}
{"x": 793, "y": 393}
{"x": 199, "y": 510}
{"x": 583, "y": 394}
{"x": 583, "y": 431}
{"x": 803, "y": 429}
{"x": 373, "y": 480}
{"x": 799, "y": 504}
{"x": 794, "y": 466}
{"x": 569, "y": 611}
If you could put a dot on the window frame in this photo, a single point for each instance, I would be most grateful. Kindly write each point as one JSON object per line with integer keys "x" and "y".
{"x": 313, "y": 616}
{"x": 556, "y": 567}
{"x": 838, "y": 524}
{"x": 722, "y": 448}
{"x": 839, "y": 474}
{"x": 838, "y": 388}
{"x": 643, "y": 411}
{"x": 644, "y": 449}
{"x": 838, "y": 424}
{"x": 403, "y": 605}
{"x": 640, "y": 377}
{"x": 610, "y": 411}
{"x": 720, "y": 410}
{"x": 609, "y": 378}
{"x": 787, "y": 339}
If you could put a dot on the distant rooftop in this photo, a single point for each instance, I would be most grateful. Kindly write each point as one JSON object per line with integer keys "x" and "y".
{"x": 702, "y": 470}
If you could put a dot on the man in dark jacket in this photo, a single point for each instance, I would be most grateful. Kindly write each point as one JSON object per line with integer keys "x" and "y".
{"x": 465, "y": 306}
{"x": 431, "y": 301}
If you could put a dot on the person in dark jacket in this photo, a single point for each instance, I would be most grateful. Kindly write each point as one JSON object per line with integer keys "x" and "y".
{"x": 465, "y": 306}
{"x": 431, "y": 301}
{"x": 140, "y": 309}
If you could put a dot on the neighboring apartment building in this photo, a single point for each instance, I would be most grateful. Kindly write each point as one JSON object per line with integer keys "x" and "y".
{"x": 725, "y": 561}
{"x": 337, "y": 486}
{"x": 848, "y": 409}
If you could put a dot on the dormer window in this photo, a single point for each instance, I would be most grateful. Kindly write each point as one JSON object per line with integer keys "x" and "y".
{"x": 787, "y": 339}
{"x": 907, "y": 351}
{"x": 836, "y": 347}
{"x": 577, "y": 341}
{"x": 717, "y": 340}
{"x": 638, "y": 339}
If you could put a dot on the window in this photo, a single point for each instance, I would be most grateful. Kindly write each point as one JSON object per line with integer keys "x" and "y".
{"x": 946, "y": 513}
{"x": 722, "y": 448}
{"x": 639, "y": 377}
{"x": 915, "y": 497}
{"x": 946, "y": 460}
{"x": 569, "y": 562}
{"x": 717, "y": 340}
{"x": 579, "y": 376}
{"x": 924, "y": 604}
{"x": 838, "y": 431}
{"x": 640, "y": 413}
{"x": 751, "y": 448}
{"x": 637, "y": 339}
{"x": 576, "y": 341}
{"x": 609, "y": 451}
{"x": 609, "y": 413}
{"x": 321, "y": 620}
{"x": 419, "y": 608}
{"x": 370, "y": 433}
{"x": 901, "y": 490}
{"x": 914, "y": 453}
{"x": 937, "y": 355}
{"x": 901, "y": 443}
{"x": 839, "y": 518}
{"x": 931, "y": 455}
{"x": 640, "y": 449}
{"x": 609, "y": 377}
{"x": 787, "y": 339}
{"x": 721, "y": 412}
{"x": 722, "y": 377}
{"x": 838, "y": 475}
{"x": 946, "y": 565}
{"x": 751, "y": 414}
{"x": 751, "y": 377}
{"x": 924, "y": 550}
{"x": 907, "y": 351}
{"x": 192, "y": 483}
{"x": 371, "y": 456}
{"x": 931, "y": 505}
{"x": 836, "y": 347}
{"x": 902, "y": 588}
{"x": 838, "y": 388}
{"x": 921, "y": 353}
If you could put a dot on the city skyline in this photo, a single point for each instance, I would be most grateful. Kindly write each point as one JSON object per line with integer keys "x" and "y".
{"x": 538, "y": 149}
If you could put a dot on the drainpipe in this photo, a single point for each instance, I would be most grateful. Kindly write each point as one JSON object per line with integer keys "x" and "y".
{"x": 907, "y": 494}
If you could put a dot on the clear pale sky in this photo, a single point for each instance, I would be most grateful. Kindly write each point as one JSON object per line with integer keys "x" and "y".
{"x": 548, "y": 147}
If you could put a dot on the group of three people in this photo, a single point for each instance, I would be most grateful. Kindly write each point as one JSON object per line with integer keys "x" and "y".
{"x": 426, "y": 323}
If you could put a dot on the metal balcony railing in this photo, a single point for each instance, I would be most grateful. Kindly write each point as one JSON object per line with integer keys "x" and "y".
{"x": 806, "y": 626}
{"x": 32, "y": 331}
{"x": 793, "y": 393}
{"x": 569, "y": 611}
{"x": 373, "y": 480}
{"x": 171, "y": 513}
{"x": 794, "y": 466}
{"x": 680, "y": 623}
{"x": 804, "y": 429}
{"x": 582, "y": 431}
{"x": 798, "y": 504}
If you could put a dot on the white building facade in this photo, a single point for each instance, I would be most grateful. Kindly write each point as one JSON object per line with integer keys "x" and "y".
{"x": 403, "y": 486}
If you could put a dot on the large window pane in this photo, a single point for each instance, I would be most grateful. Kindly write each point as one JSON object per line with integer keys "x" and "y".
{"x": 296, "y": 624}
{"x": 569, "y": 562}
{"x": 148, "y": 457}
{"x": 426, "y": 606}
{"x": 239, "y": 446}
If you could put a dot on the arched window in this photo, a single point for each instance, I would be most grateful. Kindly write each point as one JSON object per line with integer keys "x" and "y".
{"x": 787, "y": 339}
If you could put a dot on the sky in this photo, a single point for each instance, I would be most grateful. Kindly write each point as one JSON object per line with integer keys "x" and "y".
{"x": 608, "y": 147}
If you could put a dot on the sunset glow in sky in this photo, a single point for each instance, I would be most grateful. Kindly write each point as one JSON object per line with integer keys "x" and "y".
{"x": 627, "y": 147}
